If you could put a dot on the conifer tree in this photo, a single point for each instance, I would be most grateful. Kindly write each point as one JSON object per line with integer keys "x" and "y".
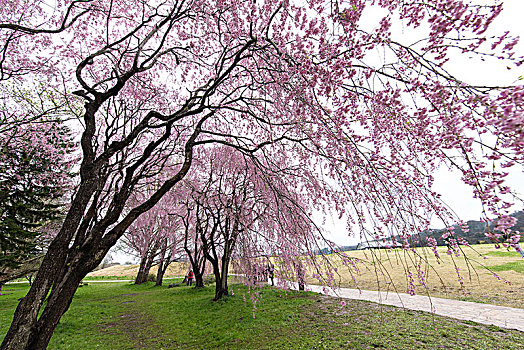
{"x": 34, "y": 178}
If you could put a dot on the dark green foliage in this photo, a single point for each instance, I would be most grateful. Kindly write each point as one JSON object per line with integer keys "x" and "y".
{"x": 24, "y": 207}
{"x": 33, "y": 179}
{"x": 209, "y": 279}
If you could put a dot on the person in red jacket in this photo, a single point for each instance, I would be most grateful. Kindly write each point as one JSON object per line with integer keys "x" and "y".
{"x": 190, "y": 278}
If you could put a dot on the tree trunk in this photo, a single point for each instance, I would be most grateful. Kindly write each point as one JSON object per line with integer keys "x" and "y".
{"x": 36, "y": 336}
{"x": 225, "y": 271}
{"x": 145, "y": 272}
{"x": 198, "y": 270}
{"x": 221, "y": 288}
{"x": 141, "y": 276}
{"x": 160, "y": 271}
{"x": 147, "y": 261}
{"x": 301, "y": 276}
{"x": 199, "y": 279}
{"x": 162, "y": 265}
{"x": 221, "y": 285}
{"x": 57, "y": 304}
{"x": 24, "y": 328}
{"x": 220, "y": 292}
{"x": 25, "y": 331}
{"x": 81, "y": 244}
{"x": 160, "y": 274}
{"x": 300, "y": 285}
{"x": 198, "y": 264}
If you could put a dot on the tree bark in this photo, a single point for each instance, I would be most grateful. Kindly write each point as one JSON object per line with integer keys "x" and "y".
{"x": 197, "y": 259}
{"x": 81, "y": 239}
{"x": 36, "y": 336}
{"x": 221, "y": 285}
{"x": 160, "y": 271}
{"x": 301, "y": 276}
{"x": 147, "y": 260}
{"x": 162, "y": 268}
{"x": 24, "y": 328}
{"x": 160, "y": 274}
{"x": 163, "y": 264}
{"x": 86, "y": 234}
{"x": 199, "y": 278}
{"x": 141, "y": 276}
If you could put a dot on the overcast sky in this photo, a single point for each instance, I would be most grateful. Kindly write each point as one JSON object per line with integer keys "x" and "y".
{"x": 457, "y": 195}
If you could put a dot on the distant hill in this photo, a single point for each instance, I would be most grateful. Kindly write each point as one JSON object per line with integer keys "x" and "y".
{"x": 476, "y": 233}
{"x": 345, "y": 248}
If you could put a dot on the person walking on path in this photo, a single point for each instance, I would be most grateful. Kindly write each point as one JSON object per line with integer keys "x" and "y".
{"x": 190, "y": 278}
{"x": 271, "y": 273}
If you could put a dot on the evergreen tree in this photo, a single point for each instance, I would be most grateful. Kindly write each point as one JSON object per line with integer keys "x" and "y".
{"x": 33, "y": 180}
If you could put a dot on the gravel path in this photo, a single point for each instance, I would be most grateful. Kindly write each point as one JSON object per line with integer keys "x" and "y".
{"x": 506, "y": 317}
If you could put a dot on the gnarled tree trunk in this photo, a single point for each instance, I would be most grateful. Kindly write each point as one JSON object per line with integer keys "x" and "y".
{"x": 220, "y": 266}
{"x": 66, "y": 264}
{"x": 28, "y": 331}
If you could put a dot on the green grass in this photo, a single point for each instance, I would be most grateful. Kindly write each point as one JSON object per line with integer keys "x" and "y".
{"x": 126, "y": 316}
{"x": 502, "y": 254}
{"x": 517, "y": 266}
{"x": 91, "y": 278}
{"x": 471, "y": 299}
{"x": 109, "y": 278}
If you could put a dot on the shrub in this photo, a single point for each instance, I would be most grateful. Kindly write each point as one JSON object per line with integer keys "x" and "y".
{"x": 209, "y": 279}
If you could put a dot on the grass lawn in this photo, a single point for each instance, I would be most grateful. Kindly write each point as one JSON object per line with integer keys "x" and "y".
{"x": 125, "y": 316}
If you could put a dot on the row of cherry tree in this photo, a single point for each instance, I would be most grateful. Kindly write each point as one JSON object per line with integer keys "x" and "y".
{"x": 229, "y": 208}
{"x": 291, "y": 92}
{"x": 154, "y": 238}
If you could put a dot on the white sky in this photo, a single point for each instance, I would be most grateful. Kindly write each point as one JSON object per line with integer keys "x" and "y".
{"x": 455, "y": 194}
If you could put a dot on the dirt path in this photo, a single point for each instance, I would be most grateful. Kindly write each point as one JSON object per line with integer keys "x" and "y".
{"x": 134, "y": 325}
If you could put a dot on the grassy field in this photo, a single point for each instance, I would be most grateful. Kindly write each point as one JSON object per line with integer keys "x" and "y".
{"x": 386, "y": 270}
{"x": 125, "y": 316}
{"x": 130, "y": 271}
